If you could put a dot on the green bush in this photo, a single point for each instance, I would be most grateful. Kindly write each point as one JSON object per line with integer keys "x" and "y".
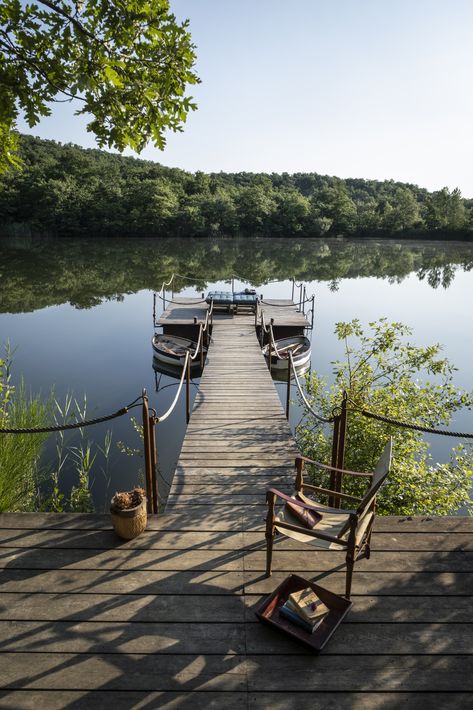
{"x": 385, "y": 374}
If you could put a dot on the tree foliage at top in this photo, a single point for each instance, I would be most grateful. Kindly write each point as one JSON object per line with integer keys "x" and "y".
{"x": 126, "y": 62}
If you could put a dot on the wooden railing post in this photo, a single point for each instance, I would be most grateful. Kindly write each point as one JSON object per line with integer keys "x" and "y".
{"x": 335, "y": 439}
{"x": 154, "y": 462}
{"x": 147, "y": 453}
{"x": 342, "y": 436}
{"x": 188, "y": 388}
{"x": 288, "y": 390}
{"x": 202, "y": 351}
{"x": 299, "y": 470}
{"x": 338, "y": 450}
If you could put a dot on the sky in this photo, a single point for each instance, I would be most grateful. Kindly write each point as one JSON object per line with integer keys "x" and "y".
{"x": 377, "y": 89}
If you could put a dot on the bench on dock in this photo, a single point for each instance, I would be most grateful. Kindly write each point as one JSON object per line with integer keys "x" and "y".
{"x": 233, "y": 300}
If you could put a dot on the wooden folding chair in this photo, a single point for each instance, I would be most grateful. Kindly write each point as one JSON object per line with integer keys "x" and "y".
{"x": 333, "y": 528}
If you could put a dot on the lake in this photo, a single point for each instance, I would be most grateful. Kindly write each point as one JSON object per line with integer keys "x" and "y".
{"x": 79, "y": 314}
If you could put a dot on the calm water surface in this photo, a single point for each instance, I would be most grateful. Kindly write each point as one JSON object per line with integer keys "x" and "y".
{"x": 79, "y": 314}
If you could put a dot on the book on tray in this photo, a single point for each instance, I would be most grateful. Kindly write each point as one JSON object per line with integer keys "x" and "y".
{"x": 305, "y": 609}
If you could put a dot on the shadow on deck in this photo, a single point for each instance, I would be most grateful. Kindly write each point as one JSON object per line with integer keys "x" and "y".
{"x": 167, "y": 620}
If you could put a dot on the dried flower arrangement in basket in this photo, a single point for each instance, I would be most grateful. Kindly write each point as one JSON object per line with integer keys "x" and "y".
{"x": 128, "y": 511}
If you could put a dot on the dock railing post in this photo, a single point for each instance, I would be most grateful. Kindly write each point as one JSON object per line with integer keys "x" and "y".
{"x": 154, "y": 309}
{"x": 147, "y": 453}
{"x": 154, "y": 462}
{"x": 313, "y": 308}
{"x": 338, "y": 451}
{"x": 188, "y": 388}
{"x": 342, "y": 439}
{"x": 202, "y": 352}
{"x": 288, "y": 390}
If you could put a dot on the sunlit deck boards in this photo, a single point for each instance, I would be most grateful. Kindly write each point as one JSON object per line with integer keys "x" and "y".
{"x": 167, "y": 620}
{"x": 182, "y": 311}
{"x": 237, "y": 433}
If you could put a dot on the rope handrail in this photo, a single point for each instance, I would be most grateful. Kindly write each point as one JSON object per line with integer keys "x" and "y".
{"x": 72, "y": 425}
{"x": 410, "y": 425}
{"x": 325, "y": 420}
{"x": 169, "y": 411}
{"x": 197, "y": 347}
{"x": 286, "y": 305}
{"x": 181, "y": 303}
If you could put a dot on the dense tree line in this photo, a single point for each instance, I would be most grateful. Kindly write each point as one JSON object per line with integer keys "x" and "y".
{"x": 35, "y": 273}
{"x": 65, "y": 190}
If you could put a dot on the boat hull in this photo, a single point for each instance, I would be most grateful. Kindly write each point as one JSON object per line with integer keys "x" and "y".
{"x": 172, "y": 350}
{"x": 301, "y": 352}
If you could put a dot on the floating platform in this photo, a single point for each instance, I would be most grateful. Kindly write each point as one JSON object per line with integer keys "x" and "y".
{"x": 186, "y": 312}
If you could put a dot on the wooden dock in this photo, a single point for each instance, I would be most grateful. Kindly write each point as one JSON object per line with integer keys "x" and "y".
{"x": 238, "y": 442}
{"x": 167, "y": 620}
{"x": 187, "y": 311}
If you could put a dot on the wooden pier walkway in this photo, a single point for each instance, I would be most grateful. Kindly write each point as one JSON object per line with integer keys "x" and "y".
{"x": 167, "y": 620}
{"x": 238, "y": 442}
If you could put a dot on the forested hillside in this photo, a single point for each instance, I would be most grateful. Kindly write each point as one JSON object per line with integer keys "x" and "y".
{"x": 65, "y": 190}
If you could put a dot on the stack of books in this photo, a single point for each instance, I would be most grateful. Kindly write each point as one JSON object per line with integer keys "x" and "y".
{"x": 305, "y": 609}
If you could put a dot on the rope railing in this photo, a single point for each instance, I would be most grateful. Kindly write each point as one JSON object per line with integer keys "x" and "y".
{"x": 169, "y": 411}
{"x": 307, "y": 405}
{"x": 72, "y": 425}
{"x": 285, "y": 305}
{"x": 180, "y": 303}
{"x": 409, "y": 425}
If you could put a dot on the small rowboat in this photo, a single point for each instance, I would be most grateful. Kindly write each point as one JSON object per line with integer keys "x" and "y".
{"x": 172, "y": 350}
{"x": 298, "y": 345}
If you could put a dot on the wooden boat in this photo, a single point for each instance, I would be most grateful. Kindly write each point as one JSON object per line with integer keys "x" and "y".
{"x": 172, "y": 350}
{"x": 299, "y": 345}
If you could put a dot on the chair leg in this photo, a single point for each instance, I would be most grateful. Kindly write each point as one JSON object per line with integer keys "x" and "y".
{"x": 269, "y": 554}
{"x": 350, "y": 564}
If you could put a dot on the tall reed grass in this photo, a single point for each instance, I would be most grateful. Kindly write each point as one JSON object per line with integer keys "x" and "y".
{"x": 20, "y": 470}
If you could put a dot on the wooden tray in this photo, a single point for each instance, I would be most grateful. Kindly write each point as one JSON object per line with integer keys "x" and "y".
{"x": 269, "y": 612}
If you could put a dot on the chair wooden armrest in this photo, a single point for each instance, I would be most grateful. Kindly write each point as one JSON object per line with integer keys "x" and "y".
{"x": 333, "y": 468}
{"x": 327, "y": 491}
{"x": 301, "y": 504}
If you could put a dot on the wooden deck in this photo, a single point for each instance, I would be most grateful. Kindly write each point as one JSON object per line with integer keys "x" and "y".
{"x": 167, "y": 620}
{"x": 238, "y": 442}
{"x": 183, "y": 311}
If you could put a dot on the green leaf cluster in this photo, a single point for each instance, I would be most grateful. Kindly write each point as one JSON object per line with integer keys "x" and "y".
{"x": 384, "y": 373}
{"x": 126, "y": 63}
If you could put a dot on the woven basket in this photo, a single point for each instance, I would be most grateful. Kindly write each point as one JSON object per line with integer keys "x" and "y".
{"x": 129, "y": 523}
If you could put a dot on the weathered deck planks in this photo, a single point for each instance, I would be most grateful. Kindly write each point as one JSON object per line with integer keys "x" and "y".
{"x": 167, "y": 620}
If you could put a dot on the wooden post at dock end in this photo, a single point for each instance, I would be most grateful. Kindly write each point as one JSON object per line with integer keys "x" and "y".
{"x": 338, "y": 451}
{"x": 147, "y": 454}
{"x": 154, "y": 461}
{"x": 288, "y": 391}
{"x": 188, "y": 388}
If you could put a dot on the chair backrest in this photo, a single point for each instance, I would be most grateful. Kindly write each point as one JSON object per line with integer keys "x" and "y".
{"x": 379, "y": 477}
